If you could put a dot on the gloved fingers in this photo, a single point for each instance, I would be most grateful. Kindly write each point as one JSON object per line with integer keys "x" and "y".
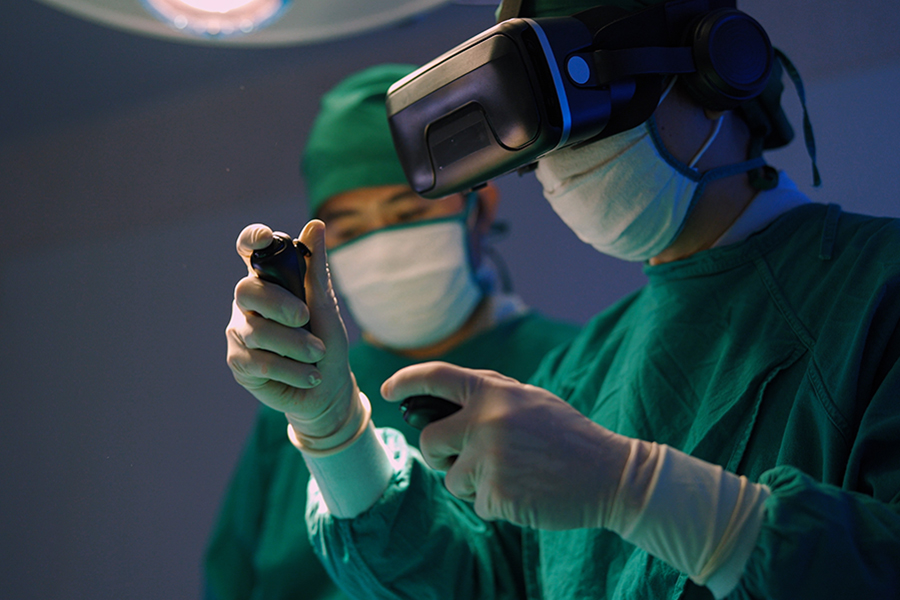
{"x": 473, "y": 478}
{"x": 293, "y": 343}
{"x": 487, "y": 507}
{"x": 440, "y": 379}
{"x": 494, "y": 376}
{"x": 460, "y": 478}
{"x": 444, "y": 440}
{"x": 274, "y": 394}
{"x": 270, "y": 301}
{"x": 441, "y": 442}
{"x": 254, "y": 368}
{"x": 252, "y": 237}
{"x": 325, "y": 319}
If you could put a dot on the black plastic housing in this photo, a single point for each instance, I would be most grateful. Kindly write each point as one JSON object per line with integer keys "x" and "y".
{"x": 283, "y": 262}
{"x": 490, "y": 105}
{"x": 419, "y": 411}
{"x": 526, "y": 87}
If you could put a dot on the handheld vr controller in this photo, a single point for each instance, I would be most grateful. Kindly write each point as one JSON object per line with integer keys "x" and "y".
{"x": 283, "y": 262}
{"x": 419, "y": 411}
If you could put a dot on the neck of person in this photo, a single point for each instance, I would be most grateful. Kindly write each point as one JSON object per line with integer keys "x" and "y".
{"x": 722, "y": 201}
{"x": 481, "y": 319}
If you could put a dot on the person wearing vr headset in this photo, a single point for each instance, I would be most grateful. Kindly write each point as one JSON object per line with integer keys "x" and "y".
{"x": 413, "y": 276}
{"x": 730, "y": 429}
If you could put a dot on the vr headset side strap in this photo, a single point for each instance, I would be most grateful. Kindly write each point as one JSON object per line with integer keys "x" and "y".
{"x": 614, "y": 65}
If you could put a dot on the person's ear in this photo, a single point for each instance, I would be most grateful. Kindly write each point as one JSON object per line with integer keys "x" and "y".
{"x": 488, "y": 197}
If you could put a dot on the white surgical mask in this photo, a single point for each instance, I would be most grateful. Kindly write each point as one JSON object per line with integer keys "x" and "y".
{"x": 626, "y": 195}
{"x": 409, "y": 286}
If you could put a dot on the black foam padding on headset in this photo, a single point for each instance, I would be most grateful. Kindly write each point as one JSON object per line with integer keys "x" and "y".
{"x": 733, "y": 59}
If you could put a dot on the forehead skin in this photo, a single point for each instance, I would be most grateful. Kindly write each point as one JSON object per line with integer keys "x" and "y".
{"x": 356, "y": 212}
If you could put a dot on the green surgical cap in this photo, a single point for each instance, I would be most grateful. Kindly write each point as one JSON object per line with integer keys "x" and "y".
{"x": 564, "y": 8}
{"x": 350, "y": 144}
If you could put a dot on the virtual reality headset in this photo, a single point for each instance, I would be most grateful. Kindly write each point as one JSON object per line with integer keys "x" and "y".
{"x": 527, "y": 87}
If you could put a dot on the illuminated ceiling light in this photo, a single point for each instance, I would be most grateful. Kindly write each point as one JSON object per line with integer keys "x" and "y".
{"x": 300, "y": 22}
{"x": 217, "y": 18}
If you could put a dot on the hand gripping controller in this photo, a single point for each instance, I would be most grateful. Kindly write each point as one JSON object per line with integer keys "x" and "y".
{"x": 283, "y": 262}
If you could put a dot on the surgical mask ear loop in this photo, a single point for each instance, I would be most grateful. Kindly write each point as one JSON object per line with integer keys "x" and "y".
{"x": 496, "y": 231}
{"x": 472, "y": 214}
{"x": 709, "y": 140}
{"x": 471, "y": 207}
{"x": 667, "y": 90}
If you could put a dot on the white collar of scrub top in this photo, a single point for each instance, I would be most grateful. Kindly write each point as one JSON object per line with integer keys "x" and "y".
{"x": 765, "y": 208}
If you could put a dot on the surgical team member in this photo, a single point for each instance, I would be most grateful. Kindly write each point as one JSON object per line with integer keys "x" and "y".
{"x": 411, "y": 273}
{"x": 732, "y": 429}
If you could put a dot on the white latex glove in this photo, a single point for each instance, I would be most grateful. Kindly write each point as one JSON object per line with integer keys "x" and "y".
{"x": 523, "y": 455}
{"x": 304, "y": 375}
{"x": 515, "y": 450}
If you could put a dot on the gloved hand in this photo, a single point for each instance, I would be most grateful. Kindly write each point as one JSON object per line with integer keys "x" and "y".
{"x": 517, "y": 451}
{"x": 523, "y": 455}
{"x": 304, "y": 375}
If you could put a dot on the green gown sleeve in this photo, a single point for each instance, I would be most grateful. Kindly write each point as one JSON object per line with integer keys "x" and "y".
{"x": 819, "y": 541}
{"x": 418, "y": 541}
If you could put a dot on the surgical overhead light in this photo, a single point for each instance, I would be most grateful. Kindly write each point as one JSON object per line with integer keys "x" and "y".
{"x": 217, "y": 17}
{"x": 247, "y": 23}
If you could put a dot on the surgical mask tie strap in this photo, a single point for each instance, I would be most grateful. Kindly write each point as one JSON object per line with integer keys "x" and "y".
{"x": 719, "y": 173}
{"x": 794, "y": 75}
{"x": 728, "y": 171}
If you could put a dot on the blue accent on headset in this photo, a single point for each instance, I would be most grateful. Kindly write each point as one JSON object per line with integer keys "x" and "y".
{"x": 557, "y": 82}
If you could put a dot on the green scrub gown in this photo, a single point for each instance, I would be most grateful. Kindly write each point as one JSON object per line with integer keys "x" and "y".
{"x": 777, "y": 358}
{"x": 259, "y": 548}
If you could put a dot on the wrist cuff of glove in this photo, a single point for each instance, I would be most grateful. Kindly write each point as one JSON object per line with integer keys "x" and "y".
{"x": 352, "y": 428}
{"x": 353, "y": 480}
{"x": 699, "y": 518}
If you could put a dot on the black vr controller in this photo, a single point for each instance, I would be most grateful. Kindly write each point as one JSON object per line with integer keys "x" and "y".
{"x": 419, "y": 411}
{"x": 526, "y": 87}
{"x": 283, "y": 262}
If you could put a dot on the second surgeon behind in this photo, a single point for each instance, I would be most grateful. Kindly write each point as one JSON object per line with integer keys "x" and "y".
{"x": 410, "y": 271}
